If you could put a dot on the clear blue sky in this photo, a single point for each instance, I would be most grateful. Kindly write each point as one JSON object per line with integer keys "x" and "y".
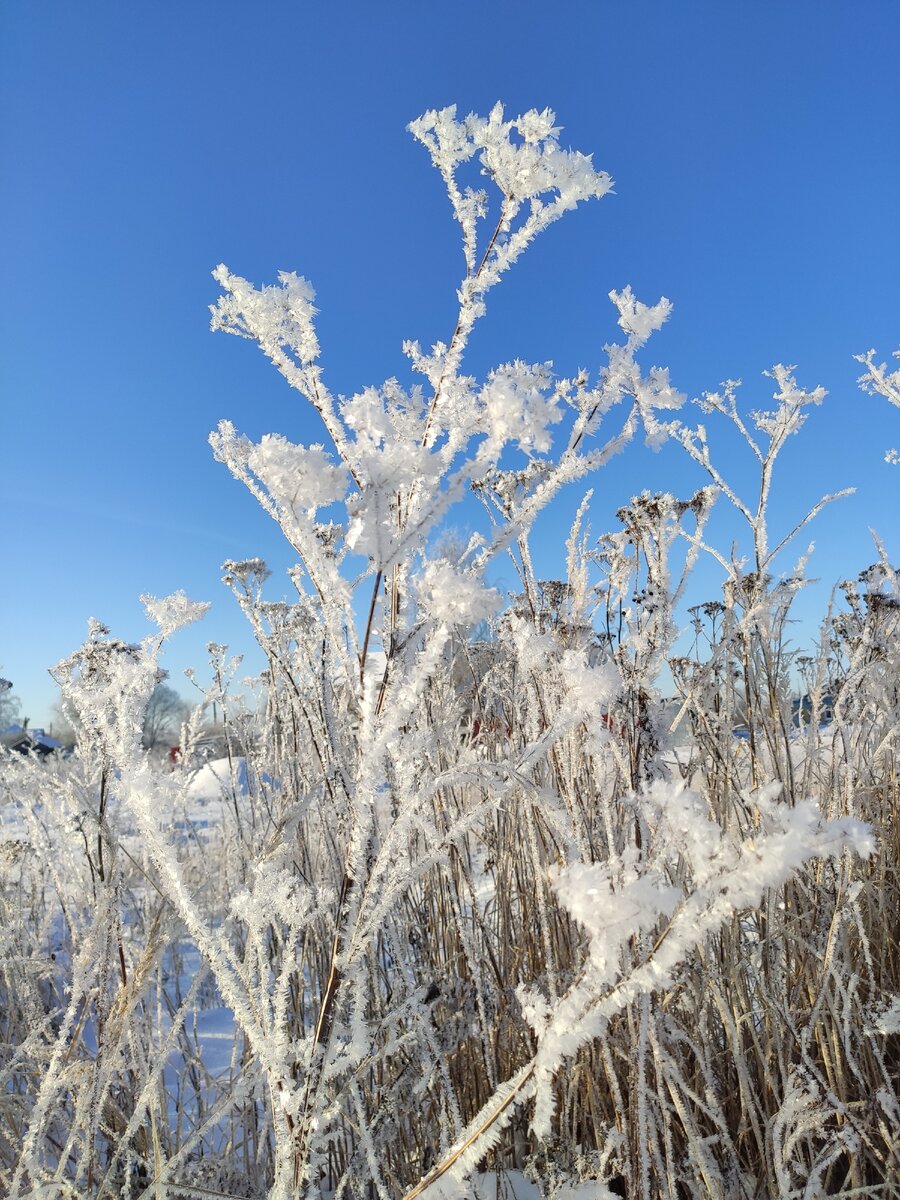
{"x": 755, "y": 152}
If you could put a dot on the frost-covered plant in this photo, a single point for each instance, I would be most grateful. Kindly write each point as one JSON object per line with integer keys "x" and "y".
{"x": 450, "y": 897}
{"x": 397, "y": 462}
{"x": 877, "y": 381}
{"x": 738, "y": 679}
{"x": 756, "y": 605}
{"x": 682, "y": 883}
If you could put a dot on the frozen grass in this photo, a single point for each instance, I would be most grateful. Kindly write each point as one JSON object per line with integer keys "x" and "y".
{"x": 757, "y": 1065}
{"x": 460, "y": 914}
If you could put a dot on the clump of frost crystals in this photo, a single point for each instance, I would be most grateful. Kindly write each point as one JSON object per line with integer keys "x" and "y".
{"x": 878, "y": 381}
{"x": 517, "y": 407}
{"x": 273, "y": 316}
{"x": 887, "y": 1020}
{"x": 450, "y": 596}
{"x": 524, "y": 160}
{"x": 299, "y": 478}
{"x": 174, "y": 612}
{"x": 718, "y": 875}
{"x": 685, "y": 883}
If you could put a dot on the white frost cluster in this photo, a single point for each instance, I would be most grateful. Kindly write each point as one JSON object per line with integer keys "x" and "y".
{"x": 888, "y": 1019}
{"x": 300, "y": 479}
{"x": 588, "y": 688}
{"x": 619, "y": 900}
{"x": 877, "y": 381}
{"x": 454, "y": 597}
{"x": 613, "y": 904}
{"x": 639, "y": 320}
{"x": 273, "y": 316}
{"x": 517, "y": 408}
{"x": 522, "y": 156}
{"x": 524, "y": 160}
{"x": 174, "y": 612}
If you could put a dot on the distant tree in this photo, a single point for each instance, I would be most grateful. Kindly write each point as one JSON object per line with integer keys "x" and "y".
{"x": 62, "y": 725}
{"x": 165, "y": 712}
{"x": 9, "y": 705}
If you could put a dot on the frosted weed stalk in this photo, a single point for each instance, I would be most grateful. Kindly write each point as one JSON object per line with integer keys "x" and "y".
{"x": 460, "y": 912}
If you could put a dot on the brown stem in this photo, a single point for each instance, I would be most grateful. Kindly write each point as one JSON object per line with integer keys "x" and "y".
{"x": 369, "y": 620}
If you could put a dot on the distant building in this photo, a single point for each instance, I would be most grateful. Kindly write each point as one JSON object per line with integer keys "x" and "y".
{"x": 29, "y": 741}
{"x": 802, "y": 711}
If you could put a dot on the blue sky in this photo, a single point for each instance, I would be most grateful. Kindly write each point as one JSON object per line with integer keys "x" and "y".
{"x": 754, "y": 149}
